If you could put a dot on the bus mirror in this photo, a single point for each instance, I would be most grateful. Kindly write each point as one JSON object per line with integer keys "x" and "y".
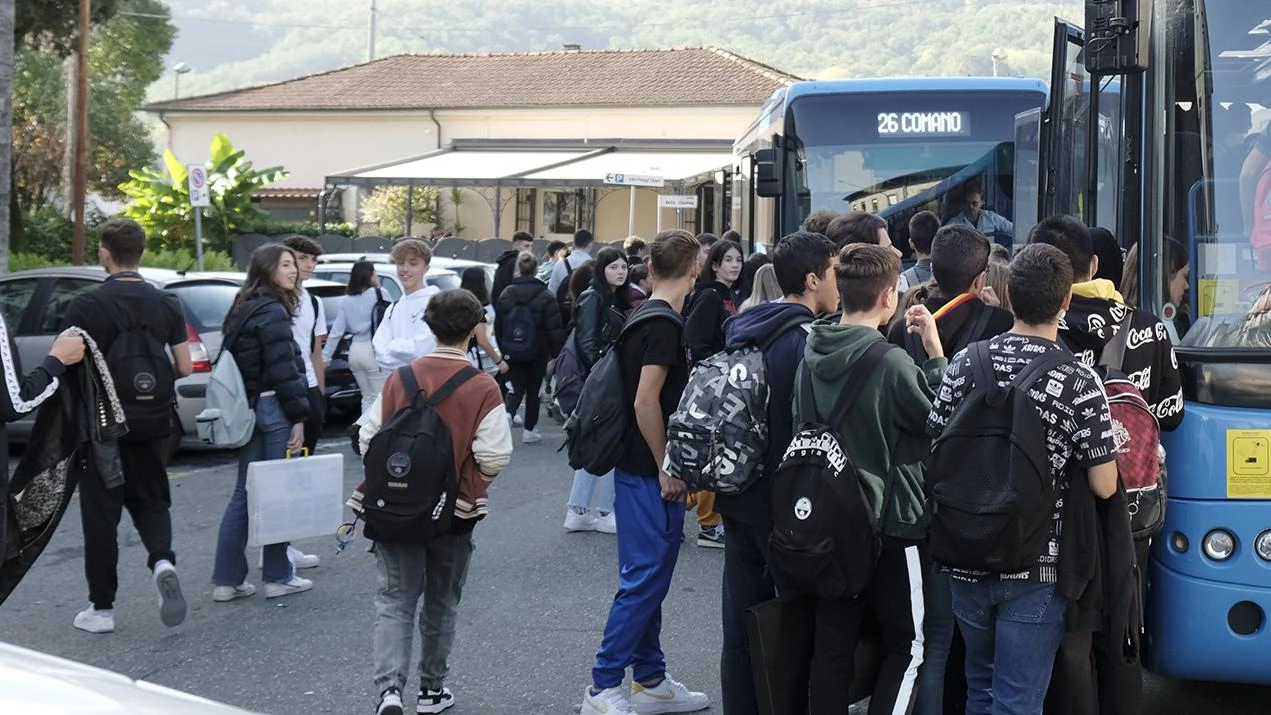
{"x": 768, "y": 174}
{"x": 1117, "y": 33}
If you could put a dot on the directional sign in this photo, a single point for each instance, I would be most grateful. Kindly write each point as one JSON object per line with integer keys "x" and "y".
{"x": 634, "y": 180}
{"x": 677, "y": 201}
{"x": 196, "y": 177}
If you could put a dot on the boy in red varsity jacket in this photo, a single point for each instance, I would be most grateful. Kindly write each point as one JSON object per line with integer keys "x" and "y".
{"x": 437, "y": 570}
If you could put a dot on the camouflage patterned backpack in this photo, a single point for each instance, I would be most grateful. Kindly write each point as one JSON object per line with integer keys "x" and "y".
{"x": 718, "y": 435}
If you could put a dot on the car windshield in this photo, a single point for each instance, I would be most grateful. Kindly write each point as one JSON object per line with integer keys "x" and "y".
{"x": 205, "y": 303}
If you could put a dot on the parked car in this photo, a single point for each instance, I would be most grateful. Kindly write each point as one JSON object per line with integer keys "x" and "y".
{"x": 34, "y": 304}
{"x": 454, "y": 265}
{"x": 339, "y": 272}
{"x": 34, "y": 682}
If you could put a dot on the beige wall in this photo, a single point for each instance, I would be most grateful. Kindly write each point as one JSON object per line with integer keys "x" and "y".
{"x": 312, "y": 145}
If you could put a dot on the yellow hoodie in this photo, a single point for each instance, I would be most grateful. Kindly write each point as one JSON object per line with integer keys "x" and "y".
{"x": 1098, "y": 288}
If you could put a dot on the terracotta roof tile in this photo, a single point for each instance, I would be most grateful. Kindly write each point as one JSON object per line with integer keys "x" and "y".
{"x": 700, "y": 75}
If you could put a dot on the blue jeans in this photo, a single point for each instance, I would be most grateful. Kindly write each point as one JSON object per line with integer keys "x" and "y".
{"x": 269, "y": 441}
{"x": 937, "y": 627}
{"x": 589, "y": 488}
{"x": 650, "y": 532}
{"x": 1012, "y": 630}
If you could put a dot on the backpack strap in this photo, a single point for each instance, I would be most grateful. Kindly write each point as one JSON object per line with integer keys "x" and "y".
{"x": 313, "y": 329}
{"x": 449, "y": 386}
{"x": 975, "y": 332}
{"x": 246, "y": 311}
{"x": 864, "y": 369}
{"x": 1114, "y": 350}
{"x": 798, "y": 320}
{"x": 409, "y": 383}
{"x": 642, "y": 316}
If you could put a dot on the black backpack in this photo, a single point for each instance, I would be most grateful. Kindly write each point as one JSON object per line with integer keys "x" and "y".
{"x": 564, "y": 298}
{"x": 411, "y": 483}
{"x": 143, "y": 375}
{"x": 519, "y": 341}
{"x": 598, "y": 431}
{"x": 988, "y": 477}
{"x": 825, "y": 539}
{"x": 379, "y": 310}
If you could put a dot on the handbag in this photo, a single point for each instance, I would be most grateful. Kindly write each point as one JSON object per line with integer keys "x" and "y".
{"x": 290, "y": 499}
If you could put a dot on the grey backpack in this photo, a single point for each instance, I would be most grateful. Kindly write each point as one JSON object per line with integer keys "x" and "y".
{"x": 227, "y": 419}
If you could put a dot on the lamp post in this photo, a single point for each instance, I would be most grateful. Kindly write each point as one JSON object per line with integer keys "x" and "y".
{"x": 999, "y": 55}
{"x": 178, "y": 69}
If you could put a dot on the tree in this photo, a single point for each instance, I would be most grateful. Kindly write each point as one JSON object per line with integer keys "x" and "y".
{"x": 6, "y": 120}
{"x": 161, "y": 199}
{"x": 386, "y": 207}
{"x": 126, "y": 56}
{"x": 54, "y": 21}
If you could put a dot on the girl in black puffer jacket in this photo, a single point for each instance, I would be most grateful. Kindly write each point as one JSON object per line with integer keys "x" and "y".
{"x": 259, "y": 324}
{"x": 528, "y": 330}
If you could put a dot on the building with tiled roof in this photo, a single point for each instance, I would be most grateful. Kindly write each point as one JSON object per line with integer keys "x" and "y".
{"x": 407, "y": 106}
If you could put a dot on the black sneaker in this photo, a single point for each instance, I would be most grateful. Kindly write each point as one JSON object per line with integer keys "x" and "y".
{"x": 711, "y": 537}
{"x": 390, "y": 702}
{"x": 434, "y": 701}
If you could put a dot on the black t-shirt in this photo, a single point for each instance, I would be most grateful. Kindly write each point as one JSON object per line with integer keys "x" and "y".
{"x": 656, "y": 342}
{"x": 139, "y": 301}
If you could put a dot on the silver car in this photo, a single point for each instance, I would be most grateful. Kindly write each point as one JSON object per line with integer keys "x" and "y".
{"x": 34, "y": 304}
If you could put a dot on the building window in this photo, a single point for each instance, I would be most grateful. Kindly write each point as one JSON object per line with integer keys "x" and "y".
{"x": 562, "y": 211}
{"x": 525, "y": 210}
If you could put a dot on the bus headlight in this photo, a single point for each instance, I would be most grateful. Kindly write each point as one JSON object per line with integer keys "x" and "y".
{"x": 1219, "y": 545}
{"x": 1263, "y": 545}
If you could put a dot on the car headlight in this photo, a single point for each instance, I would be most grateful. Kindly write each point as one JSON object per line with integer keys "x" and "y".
{"x": 1219, "y": 545}
{"x": 1263, "y": 545}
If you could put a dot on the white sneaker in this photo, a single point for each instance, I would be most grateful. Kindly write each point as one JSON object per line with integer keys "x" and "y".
{"x": 171, "y": 602}
{"x": 574, "y": 521}
{"x": 301, "y": 560}
{"x": 607, "y": 524}
{"x": 222, "y": 594}
{"x": 517, "y": 420}
{"x": 434, "y": 701}
{"x": 529, "y": 436}
{"x": 390, "y": 703}
{"x": 670, "y": 696}
{"x": 610, "y": 701}
{"x": 285, "y": 588}
{"x": 95, "y": 621}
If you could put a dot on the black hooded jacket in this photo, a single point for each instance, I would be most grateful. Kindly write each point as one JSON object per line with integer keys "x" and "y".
{"x": 503, "y": 273}
{"x": 266, "y": 353}
{"x": 953, "y": 327}
{"x": 1149, "y": 358}
{"x": 533, "y": 293}
{"x": 709, "y": 307}
{"x": 597, "y": 322}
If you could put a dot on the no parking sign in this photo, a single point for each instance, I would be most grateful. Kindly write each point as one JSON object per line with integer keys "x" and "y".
{"x": 196, "y": 178}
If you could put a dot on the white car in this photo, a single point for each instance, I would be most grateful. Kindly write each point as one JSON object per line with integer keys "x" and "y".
{"x": 453, "y": 265}
{"x": 34, "y": 682}
{"x": 387, "y": 272}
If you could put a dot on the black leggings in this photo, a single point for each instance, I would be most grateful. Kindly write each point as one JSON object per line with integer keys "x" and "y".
{"x": 527, "y": 381}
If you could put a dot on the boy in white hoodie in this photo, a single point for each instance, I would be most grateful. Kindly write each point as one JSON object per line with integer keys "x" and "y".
{"x": 403, "y": 335}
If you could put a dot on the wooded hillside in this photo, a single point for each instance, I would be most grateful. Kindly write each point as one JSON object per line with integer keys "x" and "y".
{"x": 237, "y": 43}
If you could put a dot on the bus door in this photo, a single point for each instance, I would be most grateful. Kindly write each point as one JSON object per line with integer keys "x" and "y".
{"x": 1064, "y": 159}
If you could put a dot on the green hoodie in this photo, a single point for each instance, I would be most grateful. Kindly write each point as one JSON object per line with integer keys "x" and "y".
{"x": 890, "y": 416}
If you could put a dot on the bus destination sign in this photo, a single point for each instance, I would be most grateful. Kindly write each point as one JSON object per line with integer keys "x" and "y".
{"x": 924, "y": 124}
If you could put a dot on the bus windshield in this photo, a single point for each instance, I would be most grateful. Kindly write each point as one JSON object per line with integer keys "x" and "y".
{"x": 894, "y": 154}
{"x": 1222, "y": 148}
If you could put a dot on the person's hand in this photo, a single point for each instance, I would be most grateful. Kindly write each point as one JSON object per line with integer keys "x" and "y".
{"x": 68, "y": 348}
{"x": 989, "y": 297}
{"x": 296, "y": 441}
{"x": 503, "y": 366}
{"x": 919, "y": 320}
{"x": 672, "y": 489}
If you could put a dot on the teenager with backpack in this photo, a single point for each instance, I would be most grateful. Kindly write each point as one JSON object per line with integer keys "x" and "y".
{"x": 874, "y": 401}
{"x": 1101, "y": 330}
{"x": 359, "y": 314}
{"x": 1055, "y": 435}
{"x": 649, "y": 502}
{"x": 132, "y": 323}
{"x": 274, "y": 376}
{"x": 434, "y": 569}
{"x": 505, "y": 270}
{"x": 580, "y": 254}
{"x": 922, "y": 231}
{"x": 803, "y": 265}
{"x": 528, "y": 330}
{"x": 599, "y": 315}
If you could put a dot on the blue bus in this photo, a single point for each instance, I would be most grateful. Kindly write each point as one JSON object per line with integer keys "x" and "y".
{"x": 891, "y": 147}
{"x": 1167, "y": 141}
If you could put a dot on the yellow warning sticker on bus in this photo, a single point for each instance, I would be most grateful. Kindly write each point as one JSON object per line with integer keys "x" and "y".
{"x": 1217, "y": 295}
{"x": 1248, "y": 464}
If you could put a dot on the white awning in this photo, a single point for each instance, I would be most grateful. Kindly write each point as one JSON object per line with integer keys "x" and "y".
{"x": 580, "y": 165}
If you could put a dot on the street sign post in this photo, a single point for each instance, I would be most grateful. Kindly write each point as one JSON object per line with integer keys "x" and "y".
{"x": 196, "y": 180}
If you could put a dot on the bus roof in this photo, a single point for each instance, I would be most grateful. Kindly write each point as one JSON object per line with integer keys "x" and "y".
{"x": 914, "y": 84}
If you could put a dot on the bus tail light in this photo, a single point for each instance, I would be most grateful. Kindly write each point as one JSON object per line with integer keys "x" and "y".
{"x": 1219, "y": 545}
{"x": 1262, "y": 545}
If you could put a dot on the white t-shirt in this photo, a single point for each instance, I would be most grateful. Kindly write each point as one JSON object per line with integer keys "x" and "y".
{"x": 303, "y": 331}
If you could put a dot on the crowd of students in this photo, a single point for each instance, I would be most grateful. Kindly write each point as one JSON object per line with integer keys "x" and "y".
{"x": 819, "y": 304}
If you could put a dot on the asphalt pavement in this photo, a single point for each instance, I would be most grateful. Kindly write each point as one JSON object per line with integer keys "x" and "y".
{"x": 531, "y": 617}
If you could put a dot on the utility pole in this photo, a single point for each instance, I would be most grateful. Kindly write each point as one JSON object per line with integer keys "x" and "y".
{"x": 370, "y": 35}
{"x": 79, "y": 190}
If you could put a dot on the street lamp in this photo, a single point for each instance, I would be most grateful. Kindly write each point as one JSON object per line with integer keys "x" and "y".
{"x": 999, "y": 55}
{"x": 178, "y": 69}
